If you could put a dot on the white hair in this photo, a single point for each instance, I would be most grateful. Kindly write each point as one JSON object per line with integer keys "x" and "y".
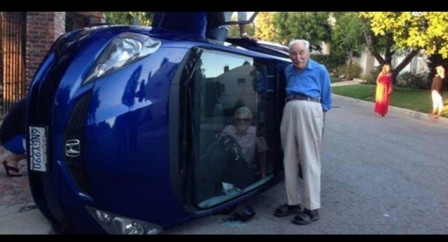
{"x": 305, "y": 43}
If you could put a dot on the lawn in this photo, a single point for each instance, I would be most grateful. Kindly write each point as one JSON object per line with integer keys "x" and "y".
{"x": 414, "y": 99}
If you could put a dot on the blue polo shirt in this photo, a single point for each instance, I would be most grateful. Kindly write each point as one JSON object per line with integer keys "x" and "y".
{"x": 313, "y": 81}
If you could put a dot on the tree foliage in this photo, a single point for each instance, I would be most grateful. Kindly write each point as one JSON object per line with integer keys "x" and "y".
{"x": 387, "y": 33}
{"x": 347, "y": 36}
{"x": 119, "y": 18}
{"x": 140, "y": 18}
{"x": 312, "y": 26}
{"x": 264, "y": 27}
{"x": 414, "y": 30}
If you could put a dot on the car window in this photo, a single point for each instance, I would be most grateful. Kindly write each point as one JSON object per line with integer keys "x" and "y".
{"x": 232, "y": 148}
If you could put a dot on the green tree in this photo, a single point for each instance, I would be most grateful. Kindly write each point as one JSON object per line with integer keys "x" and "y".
{"x": 142, "y": 18}
{"x": 119, "y": 18}
{"x": 347, "y": 35}
{"x": 312, "y": 26}
{"x": 137, "y": 18}
{"x": 408, "y": 31}
{"x": 264, "y": 27}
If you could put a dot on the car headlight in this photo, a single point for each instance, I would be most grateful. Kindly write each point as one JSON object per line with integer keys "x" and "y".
{"x": 115, "y": 224}
{"x": 121, "y": 51}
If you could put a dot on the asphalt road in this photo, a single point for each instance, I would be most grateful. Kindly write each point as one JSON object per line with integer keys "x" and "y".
{"x": 379, "y": 176}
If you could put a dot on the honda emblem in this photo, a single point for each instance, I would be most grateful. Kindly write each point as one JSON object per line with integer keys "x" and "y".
{"x": 72, "y": 147}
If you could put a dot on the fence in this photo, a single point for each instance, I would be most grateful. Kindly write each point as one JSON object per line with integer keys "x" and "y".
{"x": 12, "y": 59}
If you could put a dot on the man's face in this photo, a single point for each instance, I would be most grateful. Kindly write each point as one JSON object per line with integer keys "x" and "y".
{"x": 242, "y": 122}
{"x": 299, "y": 55}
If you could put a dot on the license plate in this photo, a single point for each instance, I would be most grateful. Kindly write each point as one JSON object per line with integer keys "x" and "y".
{"x": 38, "y": 148}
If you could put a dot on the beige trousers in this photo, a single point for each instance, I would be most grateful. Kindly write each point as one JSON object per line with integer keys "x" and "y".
{"x": 301, "y": 132}
{"x": 437, "y": 102}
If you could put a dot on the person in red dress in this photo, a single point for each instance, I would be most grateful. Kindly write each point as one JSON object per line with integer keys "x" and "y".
{"x": 383, "y": 90}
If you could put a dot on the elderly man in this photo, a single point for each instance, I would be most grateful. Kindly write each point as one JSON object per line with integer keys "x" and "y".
{"x": 308, "y": 93}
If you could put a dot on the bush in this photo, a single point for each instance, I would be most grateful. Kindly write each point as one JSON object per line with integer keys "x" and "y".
{"x": 368, "y": 78}
{"x": 331, "y": 62}
{"x": 371, "y": 77}
{"x": 353, "y": 70}
{"x": 349, "y": 71}
{"x": 413, "y": 80}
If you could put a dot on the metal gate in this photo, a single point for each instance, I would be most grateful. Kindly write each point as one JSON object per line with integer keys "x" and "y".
{"x": 12, "y": 59}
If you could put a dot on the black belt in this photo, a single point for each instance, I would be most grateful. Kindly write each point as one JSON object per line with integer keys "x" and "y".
{"x": 302, "y": 98}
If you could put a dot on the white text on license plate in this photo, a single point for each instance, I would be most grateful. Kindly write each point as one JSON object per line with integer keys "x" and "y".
{"x": 38, "y": 148}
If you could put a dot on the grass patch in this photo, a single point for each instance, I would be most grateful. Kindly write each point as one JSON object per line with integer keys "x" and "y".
{"x": 414, "y": 99}
{"x": 363, "y": 92}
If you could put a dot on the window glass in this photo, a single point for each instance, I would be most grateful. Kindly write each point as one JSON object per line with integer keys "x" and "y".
{"x": 230, "y": 136}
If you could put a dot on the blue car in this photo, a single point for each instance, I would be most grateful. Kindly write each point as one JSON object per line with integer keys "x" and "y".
{"x": 125, "y": 123}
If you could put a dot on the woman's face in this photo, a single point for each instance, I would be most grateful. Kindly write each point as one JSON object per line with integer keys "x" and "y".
{"x": 387, "y": 68}
{"x": 242, "y": 122}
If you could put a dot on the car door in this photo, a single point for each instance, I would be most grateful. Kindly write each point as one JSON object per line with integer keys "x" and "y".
{"x": 222, "y": 168}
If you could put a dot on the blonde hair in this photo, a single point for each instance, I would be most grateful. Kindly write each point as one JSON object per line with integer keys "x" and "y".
{"x": 440, "y": 71}
{"x": 384, "y": 71}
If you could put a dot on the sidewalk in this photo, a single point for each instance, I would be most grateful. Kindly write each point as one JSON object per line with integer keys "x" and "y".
{"x": 345, "y": 83}
{"x": 18, "y": 212}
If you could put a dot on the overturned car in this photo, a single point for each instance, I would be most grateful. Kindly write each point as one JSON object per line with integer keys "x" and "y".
{"x": 125, "y": 126}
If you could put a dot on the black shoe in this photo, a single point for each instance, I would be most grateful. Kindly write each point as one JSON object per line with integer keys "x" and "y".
{"x": 11, "y": 170}
{"x": 243, "y": 216}
{"x": 285, "y": 210}
{"x": 306, "y": 217}
{"x": 228, "y": 210}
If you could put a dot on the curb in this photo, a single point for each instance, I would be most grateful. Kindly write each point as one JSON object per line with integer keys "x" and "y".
{"x": 441, "y": 121}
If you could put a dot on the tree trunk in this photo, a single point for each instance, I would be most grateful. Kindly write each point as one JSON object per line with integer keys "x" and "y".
{"x": 388, "y": 55}
{"x": 402, "y": 65}
{"x": 348, "y": 75}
